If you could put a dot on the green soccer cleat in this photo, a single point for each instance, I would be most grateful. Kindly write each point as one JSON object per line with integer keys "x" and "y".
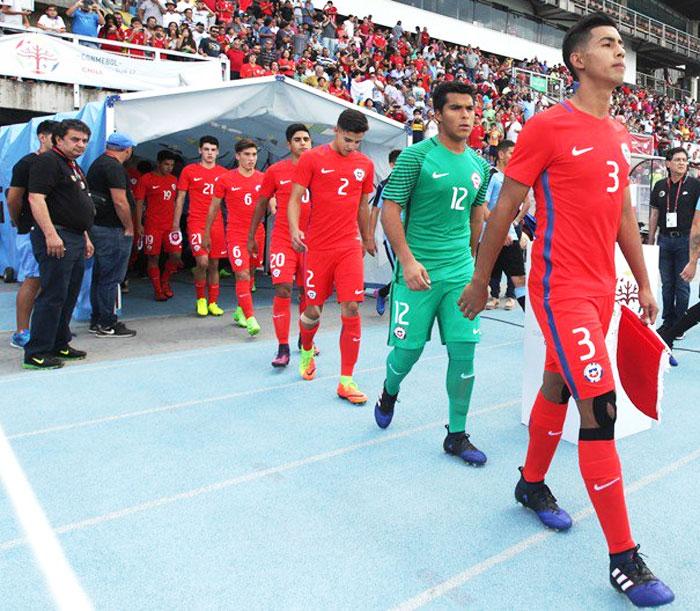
{"x": 307, "y": 364}
{"x": 202, "y": 309}
{"x": 252, "y": 326}
{"x": 239, "y": 318}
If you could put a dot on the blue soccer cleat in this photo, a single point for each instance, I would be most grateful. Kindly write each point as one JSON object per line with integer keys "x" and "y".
{"x": 20, "y": 340}
{"x": 630, "y": 575}
{"x": 540, "y": 499}
{"x": 458, "y": 444}
{"x": 384, "y": 409}
{"x": 381, "y": 302}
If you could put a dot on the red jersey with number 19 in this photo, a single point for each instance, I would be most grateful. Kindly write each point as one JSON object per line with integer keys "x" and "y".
{"x": 277, "y": 183}
{"x": 240, "y": 194}
{"x": 578, "y": 166}
{"x": 158, "y": 193}
{"x": 336, "y": 184}
{"x": 199, "y": 182}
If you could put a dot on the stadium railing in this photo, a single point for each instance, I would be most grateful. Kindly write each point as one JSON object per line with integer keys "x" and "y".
{"x": 656, "y": 84}
{"x": 551, "y": 86}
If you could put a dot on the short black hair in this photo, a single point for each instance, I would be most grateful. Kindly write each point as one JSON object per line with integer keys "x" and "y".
{"x": 46, "y": 127}
{"x": 444, "y": 89}
{"x": 504, "y": 146}
{"x": 166, "y": 156}
{"x": 580, "y": 33}
{"x": 208, "y": 140}
{"x": 245, "y": 143}
{"x": 351, "y": 120}
{"x": 394, "y": 155}
{"x": 144, "y": 166}
{"x": 674, "y": 151}
{"x": 66, "y": 125}
{"x": 294, "y": 128}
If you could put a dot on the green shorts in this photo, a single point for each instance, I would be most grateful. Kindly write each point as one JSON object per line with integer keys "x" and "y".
{"x": 414, "y": 312}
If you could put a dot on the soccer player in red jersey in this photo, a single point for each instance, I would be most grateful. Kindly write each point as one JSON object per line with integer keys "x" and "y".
{"x": 198, "y": 179}
{"x": 285, "y": 262}
{"x": 577, "y": 159}
{"x": 340, "y": 179}
{"x": 157, "y": 190}
{"x": 238, "y": 189}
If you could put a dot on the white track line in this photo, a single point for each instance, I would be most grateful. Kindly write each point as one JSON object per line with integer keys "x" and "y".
{"x": 60, "y": 578}
{"x": 250, "y": 477}
{"x": 196, "y": 402}
{"x": 460, "y": 579}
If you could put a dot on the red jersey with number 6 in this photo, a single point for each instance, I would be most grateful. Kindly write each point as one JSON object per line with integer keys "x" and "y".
{"x": 199, "y": 182}
{"x": 158, "y": 192}
{"x": 240, "y": 194}
{"x": 578, "y": 166}
{"x": 337, "y": 184}
{"x": 277, "y": 183}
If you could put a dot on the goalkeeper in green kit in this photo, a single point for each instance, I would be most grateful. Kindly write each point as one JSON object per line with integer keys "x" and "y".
{"x": 432, "y": 215}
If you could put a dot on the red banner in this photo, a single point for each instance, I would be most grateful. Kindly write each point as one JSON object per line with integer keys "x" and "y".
{"x": 642, "y": 144}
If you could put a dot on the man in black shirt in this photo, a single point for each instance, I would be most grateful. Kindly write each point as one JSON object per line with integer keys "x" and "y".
{"x": 673, "y": 202}
{"x": 208, "y": 45}
{"x": 18, "y": 205}
{"x": 63, "y": 212}
{"x": 112, "y": 234}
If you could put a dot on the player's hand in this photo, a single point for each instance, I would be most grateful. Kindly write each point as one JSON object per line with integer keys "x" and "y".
{"x": 416, "y": 276}
{"x": 370, "y": 246}
{"x": 252, "y": 248}
{"x": 129, "y": 233}
{"x": 508, "y": 240}
{"x": 139, "y": 230}
{"x": 206, "y": 241}
{"x": 689, "y": 270}
{"x": 473, "y": 299}
{"x": 649, "y": 307}
{"x": 89, "y": 248}
{"x": 55, "y": 246}
{"x": 298, "y": 241}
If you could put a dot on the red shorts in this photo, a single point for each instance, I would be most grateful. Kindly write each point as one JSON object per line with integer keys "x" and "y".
{"x": 574, "y": 331}
{"x": 155, "y": 239}
{"x": 286, "y": 264}
{"x": 195, "y": 233}
{"x": 343, "y": 268}
{"x": 238, "y": 251}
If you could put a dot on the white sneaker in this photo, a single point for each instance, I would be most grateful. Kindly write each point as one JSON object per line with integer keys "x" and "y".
{"x": 492, "y": 303}
{"x": 510, "y": 304}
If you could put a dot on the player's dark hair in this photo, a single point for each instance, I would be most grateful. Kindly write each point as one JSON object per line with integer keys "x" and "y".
{"x": 674, "y": 151}
{"x": 46, "y": 127}
{"x": 166, "y": 156}
{"x": 394, "y": 155}
{"x": 245, "y": 143}
{"x": 580, "y": 33}
{"x": 62, "y": 128}
{"x": 294, "y": 128}
{"x": 504, "y": 146}
{"x": 444, "y": 89}
{"x": 144, "y": 166}
{"x": 354, "y": 121}
{"x": 208, "y": 140}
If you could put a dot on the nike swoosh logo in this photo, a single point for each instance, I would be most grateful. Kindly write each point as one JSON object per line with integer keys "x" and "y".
{"x": 576, "y": 152}
{"x": 356, "y": 339}
{"x": 277, "y": 315}
{"x": 476, "y": 331}
{"x": 64, "y": 352}
{"x": 598, "y": 488}
{"x": 359, "y": 292}
{"x": 235, "y": 188}
{"x": 196, "y": 179}
{"x": 324, "y": 171}
{"x": 39, "y": 361}
{"x": 398, "y": 373}
{"x": 436, "y": 175}
{"x": 553, "y": 433}
{"x": 284, "y": 182}
{"x": 465, "y": 376}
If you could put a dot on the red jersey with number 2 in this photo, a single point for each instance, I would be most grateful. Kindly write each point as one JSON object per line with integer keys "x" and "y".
{"x": 578, "y": 166}
{"x": 240, "y": 194}
{"x": 278, "y": 183}
{"x": 199, "y": 182}
{"x": 158, "y": 192}
{"x": 337, "y": 184}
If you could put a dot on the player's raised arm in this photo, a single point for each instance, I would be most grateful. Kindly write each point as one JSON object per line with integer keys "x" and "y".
{"x": 631, "y": 246}
{"x": 258, "y": 215}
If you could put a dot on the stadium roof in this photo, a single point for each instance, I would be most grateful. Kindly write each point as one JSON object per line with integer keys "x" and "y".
{"x": 689, "y": 8}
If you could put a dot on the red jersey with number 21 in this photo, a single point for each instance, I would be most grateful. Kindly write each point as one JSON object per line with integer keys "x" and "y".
{"x": 240, "y": 194}
{"x": 277, "y": 183}
{"x": 336, "y": 184}
{"x": 199, "y": 181}
{"x": 578, "y": 166}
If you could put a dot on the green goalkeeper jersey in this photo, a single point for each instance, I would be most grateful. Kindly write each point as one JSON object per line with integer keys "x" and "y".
{"x": 437, "y": 189}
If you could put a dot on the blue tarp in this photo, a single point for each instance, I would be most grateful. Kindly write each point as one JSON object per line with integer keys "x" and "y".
{"x": 18, "y": 140}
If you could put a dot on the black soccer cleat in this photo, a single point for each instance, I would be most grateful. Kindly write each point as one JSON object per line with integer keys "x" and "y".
{"x": 538, "y": 497}
{"x": 458, "y": 444}
{"x": 384, "y": 409}
{"x": 630, "y": 575}
{"x": 70, "y": 354}
{"x": 42, "y": 361}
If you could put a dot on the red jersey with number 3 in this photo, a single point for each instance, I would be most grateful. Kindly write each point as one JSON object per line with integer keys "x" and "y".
{"x": 199, "y": 182}
{"x": 278, "y": 183}
{"x": 578, "y": 166}
{"x": 337, "y": 184}
{"x": 158, "y": 193}
{"x": 240, "y": 194}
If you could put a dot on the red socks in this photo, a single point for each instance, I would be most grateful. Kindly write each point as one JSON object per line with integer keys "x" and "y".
{"x": 281, "y": 318}
{"x": 245, "y": 299}
{"x": 213, "y": 293}
{"x": 349, "y": 344}
{"x": 602, "y": 474}
{"x": 307, "y": 336}
{"x": 154, "y": 275}
{"x": 546, "y": 425}
{"x": 200, "y": 287}
{"x": 170, "y": 268}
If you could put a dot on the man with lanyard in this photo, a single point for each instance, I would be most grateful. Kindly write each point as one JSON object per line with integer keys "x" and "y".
{"x": 18, "y": 205}
{"x": 63, "y": 212}
{"x": 672, "y": 207}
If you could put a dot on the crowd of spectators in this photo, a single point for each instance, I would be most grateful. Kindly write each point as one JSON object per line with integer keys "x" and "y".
{"x": 391, "y": 71}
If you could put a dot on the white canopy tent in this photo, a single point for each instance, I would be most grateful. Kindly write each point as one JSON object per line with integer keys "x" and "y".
{"x": 258, "y": 108}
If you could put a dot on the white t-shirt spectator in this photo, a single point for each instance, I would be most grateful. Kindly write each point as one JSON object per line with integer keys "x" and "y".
{"x": 514, "y": 130}
{"x": 183, "y": 5}
{"x": 9, "y": 20}
{"x": 54, "y": 25}
{"x": 173, "y": 17}
{"x": 151, "y": 9}
{"x": 201, "y": 17}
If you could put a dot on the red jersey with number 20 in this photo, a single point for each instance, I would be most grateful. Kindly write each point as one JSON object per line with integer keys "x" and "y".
{"x": 240, "y": 194}
{"x": 336, "y": 184}
{"x": 199, "y": 181}
{"x": 578, "y": 166}
{"x": 277, "y": 183}
{"x": 158, "y": 192}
